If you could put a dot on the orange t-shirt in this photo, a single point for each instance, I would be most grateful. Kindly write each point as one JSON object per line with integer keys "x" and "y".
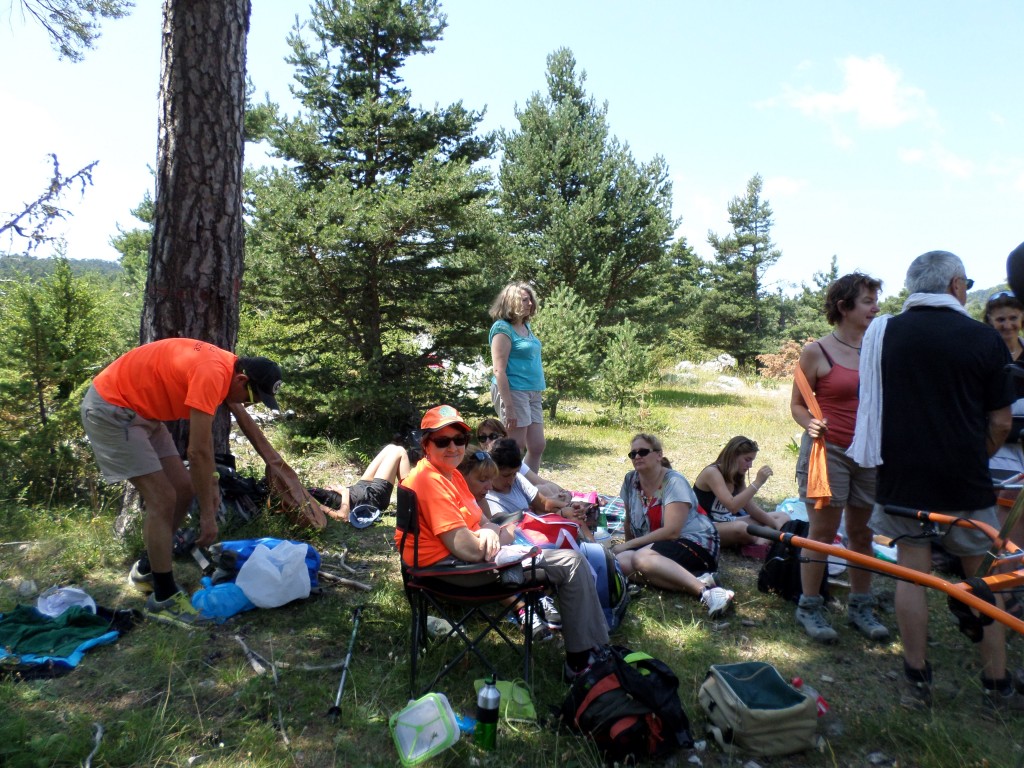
{"x": 444, "y": 505}
{"x": 165, "y": 379}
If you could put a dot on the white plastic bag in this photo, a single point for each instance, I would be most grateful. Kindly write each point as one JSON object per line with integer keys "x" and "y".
{"x": 273, "y": 577}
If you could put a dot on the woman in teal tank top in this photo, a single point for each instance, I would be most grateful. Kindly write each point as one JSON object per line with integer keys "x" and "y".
{"x": 518, "y": 380}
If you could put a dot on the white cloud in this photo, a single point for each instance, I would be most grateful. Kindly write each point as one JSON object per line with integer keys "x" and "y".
{"x": 782, "y": 186}
{"x": 937, "y": 157}
{"x": 873, "y": 92}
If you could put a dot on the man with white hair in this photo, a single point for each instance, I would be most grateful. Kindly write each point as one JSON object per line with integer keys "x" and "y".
{"x": 945, "y": 408}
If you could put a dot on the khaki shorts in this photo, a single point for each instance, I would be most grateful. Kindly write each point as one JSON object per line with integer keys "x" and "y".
{"x": 962, "y": 542}
{"x": 525, "y": 403}
{"x": 126, "y": 445}
{"x": 851, "y": 483}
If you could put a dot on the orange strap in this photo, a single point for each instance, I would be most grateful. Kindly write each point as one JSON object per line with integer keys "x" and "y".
{"x": 817, "y": 470}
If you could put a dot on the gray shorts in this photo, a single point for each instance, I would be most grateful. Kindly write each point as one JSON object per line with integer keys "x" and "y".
{"x": 126, "y": 445}
{"x": 959, "y": 541}
{"x": 525, "y": 403}
{"x": 851, "y": 483}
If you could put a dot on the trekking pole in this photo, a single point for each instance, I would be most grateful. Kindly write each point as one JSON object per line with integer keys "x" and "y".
{"x": 335, "y": 711}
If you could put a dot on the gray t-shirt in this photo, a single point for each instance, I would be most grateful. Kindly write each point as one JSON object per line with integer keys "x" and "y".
{"x": 519, "y": 496}
{"x": 697, "y": 528}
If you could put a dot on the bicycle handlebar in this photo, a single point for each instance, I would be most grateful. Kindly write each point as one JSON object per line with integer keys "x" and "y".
{"x": 912, "y": 514}
{"x": 764, "y": 532}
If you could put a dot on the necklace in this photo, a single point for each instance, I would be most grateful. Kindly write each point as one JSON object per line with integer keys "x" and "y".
{"x": 855, "y": 349}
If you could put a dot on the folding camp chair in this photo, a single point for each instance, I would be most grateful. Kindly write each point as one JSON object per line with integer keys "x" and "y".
{"x": 436, "y": 588}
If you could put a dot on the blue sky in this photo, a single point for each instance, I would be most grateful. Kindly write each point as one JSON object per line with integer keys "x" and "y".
{"x": 881, "y": 129}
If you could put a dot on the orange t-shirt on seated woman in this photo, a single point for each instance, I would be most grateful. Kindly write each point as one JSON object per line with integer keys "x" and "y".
{"x": 442, "y": 505}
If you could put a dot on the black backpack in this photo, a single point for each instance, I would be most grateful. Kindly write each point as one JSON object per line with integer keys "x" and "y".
{"x": 628, "y": 703}
{"x": 780, "y": 574}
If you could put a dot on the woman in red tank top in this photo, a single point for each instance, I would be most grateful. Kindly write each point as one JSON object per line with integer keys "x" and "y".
{"x": 831, "y": 365}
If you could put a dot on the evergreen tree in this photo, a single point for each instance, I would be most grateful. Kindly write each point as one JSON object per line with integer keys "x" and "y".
{"x": 369, "y": 249}
{"x": 54, "y": 335}
{"x": 803, "y": 316}
{"x": 738, "y": 315}
{"x": 627, "y": 372}
{"x": 579, "y": 210}
{"x": 568, "y": 327}
{"x": 73, "y": 25}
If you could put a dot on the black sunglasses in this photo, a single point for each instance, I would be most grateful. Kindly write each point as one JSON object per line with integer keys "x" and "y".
{"x": 641, "y": 452}
{"x": 489, "y": 438}
{"x": 444, "y": 442}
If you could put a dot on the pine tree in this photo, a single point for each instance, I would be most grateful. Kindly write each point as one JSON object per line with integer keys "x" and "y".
{"x": 568, "y": 327}
{"x": 368, "y": 250}
{"x": 738, "y": 315}
{"x": 580, "y": 211}
{"x": 54, "y": 335}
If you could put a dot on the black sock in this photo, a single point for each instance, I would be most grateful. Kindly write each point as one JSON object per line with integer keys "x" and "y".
{"x": 918, "y": 675}
{"x": 163, "y": 585}
{"x": 144, "y": 566}
{"x": 577, "y": 660}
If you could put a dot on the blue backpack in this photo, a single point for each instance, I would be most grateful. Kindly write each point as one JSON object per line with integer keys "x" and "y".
{"x": 612, "y": 587}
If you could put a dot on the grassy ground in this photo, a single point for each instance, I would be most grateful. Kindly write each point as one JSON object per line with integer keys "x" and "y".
{"x": 169, "y": 697}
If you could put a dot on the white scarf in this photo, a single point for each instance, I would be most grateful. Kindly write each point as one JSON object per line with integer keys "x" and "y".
{"x": 866, "y": 448}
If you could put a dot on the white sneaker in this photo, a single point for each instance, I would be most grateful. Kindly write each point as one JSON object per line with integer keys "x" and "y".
{"x": 717, "y": 600}
{"x": 550, "y": 613}
{"x": 708, "y": 580}
{"x": 537, "y": 628}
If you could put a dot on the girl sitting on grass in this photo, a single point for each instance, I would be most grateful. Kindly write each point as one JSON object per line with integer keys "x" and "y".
{"x": 725, "y": 496}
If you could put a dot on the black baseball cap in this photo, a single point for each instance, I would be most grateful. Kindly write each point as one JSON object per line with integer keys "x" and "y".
{"x": 265, "y": 377}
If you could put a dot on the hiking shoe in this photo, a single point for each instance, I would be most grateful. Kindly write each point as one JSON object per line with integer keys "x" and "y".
{"x": 717, "y": 600}
{"x": 548, "y": 611}
{"x": 860, "y": 613}
{"x": 537, "y": 626}
{"x": 177, "y": 609}
{"x": 1008, "y": 702}
{"x": 810, "y": 614}
{"x": 915, "y": 694}
{"x": 143, "y": 582}
{"x": 709, "y": 580}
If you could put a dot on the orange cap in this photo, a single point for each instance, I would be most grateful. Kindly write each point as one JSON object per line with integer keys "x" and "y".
{"x": 441, "y": 416}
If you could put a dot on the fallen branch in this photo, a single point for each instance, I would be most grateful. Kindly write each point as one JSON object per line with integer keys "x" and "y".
{"x": 333, "y": 577}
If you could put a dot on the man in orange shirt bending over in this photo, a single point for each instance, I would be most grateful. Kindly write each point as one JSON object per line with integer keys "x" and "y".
{"x": 123, "y": 414}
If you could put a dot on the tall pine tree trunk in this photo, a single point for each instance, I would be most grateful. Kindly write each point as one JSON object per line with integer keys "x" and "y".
{"x": 196, "y": 256}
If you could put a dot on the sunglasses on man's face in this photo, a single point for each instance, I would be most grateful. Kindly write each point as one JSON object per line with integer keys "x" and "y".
{"x": 489, "y": 438}
{"x": 444, "y": 442}
{"x": 641, "y": 452}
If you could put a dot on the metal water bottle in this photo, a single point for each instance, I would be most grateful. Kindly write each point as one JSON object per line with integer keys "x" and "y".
{"x": 487, "y": 700}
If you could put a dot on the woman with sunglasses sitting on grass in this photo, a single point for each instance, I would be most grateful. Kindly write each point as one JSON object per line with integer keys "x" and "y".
{"x": 490, "y": 431}
{"x": 453, "y": 528}
{"x": 724, "y": 495}
{"x": 669, "y": 543}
